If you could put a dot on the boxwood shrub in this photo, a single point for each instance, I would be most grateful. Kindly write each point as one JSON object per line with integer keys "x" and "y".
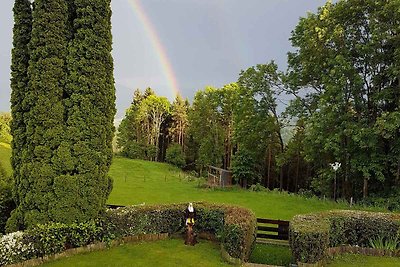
{"x": 312, "y": 234}
{"x": 234, "y": 227}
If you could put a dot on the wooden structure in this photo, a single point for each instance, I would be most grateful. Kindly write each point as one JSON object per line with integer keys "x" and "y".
{"x": 272, "y": 229}
{"x": 219, "y": 177}
{"x": 190, "y": 238}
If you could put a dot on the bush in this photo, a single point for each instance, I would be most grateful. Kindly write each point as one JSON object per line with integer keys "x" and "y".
{"x": 7, "y": 203}
{"x": 235, "y": 227}
{"x": 134, "y": 150}
{"x": 175, "y": 156}
{"x": 13, "y": 248}
{"x": 311, "y": 235}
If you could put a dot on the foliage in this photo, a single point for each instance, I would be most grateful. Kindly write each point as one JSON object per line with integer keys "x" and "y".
{"x": 235, "y": 226}
{"x": 5, "y": 131}
{"x": 343, "y": 74}
{"x": 143, "y": 126}
{"x": 311, "y": 235}
{"x": 211, "y": 126}
{"x": 14, "y": 248}
{"x": 391, "y": 243}
{"x": 7, "y": 203}
{"x": 350, "y": 260}
{"x": 134, "y": 150}
{"x": 63, "y": 110}
{"x": 179, "y": 121}
{"x": 257, "y": 126}
{"x": 175, "y": 156}
{"x": 52, "y": 238}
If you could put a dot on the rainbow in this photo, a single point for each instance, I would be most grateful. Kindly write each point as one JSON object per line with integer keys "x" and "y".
{"x": 157, "y": 45}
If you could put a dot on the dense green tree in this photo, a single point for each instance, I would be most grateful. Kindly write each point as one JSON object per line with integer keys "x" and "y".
{"x": 179, "y": 121}
{"x": 19, "y": 88}
{"x": 347, "y": 59}
{"x": 7, "y": 203}
{"x": 44, "y": 118}
{"x": 130, "y": 137}
{"x": 206, "y": 130}
{"x": 257, "y": 123}
{"x": 142, "y": 133}
{"x": 84, "y": 156}
{"x": 64, "y": 110}
{"x": 154, "y": 110}
{"x": 175, "y": 155}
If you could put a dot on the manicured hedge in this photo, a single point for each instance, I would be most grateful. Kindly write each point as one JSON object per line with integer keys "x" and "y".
{"x": 311, "y": 235}
{"x": 234, "y": 227}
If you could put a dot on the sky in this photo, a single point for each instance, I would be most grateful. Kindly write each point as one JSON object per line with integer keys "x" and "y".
{"x": 183, "y": 45}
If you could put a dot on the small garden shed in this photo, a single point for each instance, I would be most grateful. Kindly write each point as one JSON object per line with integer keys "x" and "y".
{"x": 219, "y": 177}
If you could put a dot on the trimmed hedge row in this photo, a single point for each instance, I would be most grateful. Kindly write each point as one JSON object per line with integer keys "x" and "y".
{"x": 312, "y": 234}
{"x": 234, "y": 227}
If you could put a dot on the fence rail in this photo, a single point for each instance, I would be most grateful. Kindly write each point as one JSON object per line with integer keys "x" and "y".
{"x": 272, "y": 229}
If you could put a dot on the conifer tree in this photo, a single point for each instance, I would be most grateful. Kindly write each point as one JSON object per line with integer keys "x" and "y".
{"x": 43, "y": 116}
{"x": 19, "y": 81}
{"x": 89, "y": 100}
{"x": 64, "y": 104}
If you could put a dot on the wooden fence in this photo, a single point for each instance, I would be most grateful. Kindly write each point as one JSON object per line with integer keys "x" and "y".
{"x": 272, "y": 229}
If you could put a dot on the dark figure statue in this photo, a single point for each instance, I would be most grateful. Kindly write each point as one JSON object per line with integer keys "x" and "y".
{"x": 190, "y": 215}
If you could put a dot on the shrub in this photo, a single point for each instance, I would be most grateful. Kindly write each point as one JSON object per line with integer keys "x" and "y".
{"x": 134, "y": 150}
{"x": 7, "y": 203}
{"x": 311, "y": 235}
{"x": 13, "y": 248}
{"x": 175, "y": 156}
{"x": 235, "y": 227}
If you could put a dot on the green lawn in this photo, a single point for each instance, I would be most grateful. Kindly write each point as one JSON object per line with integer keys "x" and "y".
{"x": 351, "y": 260}
{"x": 272, "y": 254}
{"x": 137, "y": 181}
{"x": 5, "y": 154}
{"x": 170, "y": 252}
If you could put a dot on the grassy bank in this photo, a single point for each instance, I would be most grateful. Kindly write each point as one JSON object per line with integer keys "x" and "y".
{"x": 5, "y": 154}
{"x": 137, "y": 181}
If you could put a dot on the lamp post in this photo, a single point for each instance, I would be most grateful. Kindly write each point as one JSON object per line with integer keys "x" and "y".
{"x": 335, "y": 166}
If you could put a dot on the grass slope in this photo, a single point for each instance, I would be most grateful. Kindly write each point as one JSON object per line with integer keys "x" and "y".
{"x": 170, "y": 252}
{"x": 137, "y": 181}
{"x": 5, "y": 154}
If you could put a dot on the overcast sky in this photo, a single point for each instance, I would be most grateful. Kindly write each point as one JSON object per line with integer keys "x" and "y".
{"x": 207, "y": 42}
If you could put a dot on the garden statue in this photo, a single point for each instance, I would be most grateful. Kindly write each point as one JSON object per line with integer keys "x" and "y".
{"x": 190, "y": 216}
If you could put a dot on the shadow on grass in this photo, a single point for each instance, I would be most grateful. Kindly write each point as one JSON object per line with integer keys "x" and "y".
{"x": 272, "y": 254}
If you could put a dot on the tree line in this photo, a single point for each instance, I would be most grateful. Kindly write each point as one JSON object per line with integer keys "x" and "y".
{"x": 343, "y": 79}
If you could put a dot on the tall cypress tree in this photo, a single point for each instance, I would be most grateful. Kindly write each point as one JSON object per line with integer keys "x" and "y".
{"x": 19, "y": 84}
{"x": 44, "y": 116}
{"x": 90, "y": 104}
{"x": 67, "y": 112}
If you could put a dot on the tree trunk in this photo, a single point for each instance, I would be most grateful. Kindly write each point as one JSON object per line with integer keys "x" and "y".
{"x": 334, "y": 188}
{"x": 297, "y": 173}
{"x": 365, "y": 188}
{"x": 269, "y": 167}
